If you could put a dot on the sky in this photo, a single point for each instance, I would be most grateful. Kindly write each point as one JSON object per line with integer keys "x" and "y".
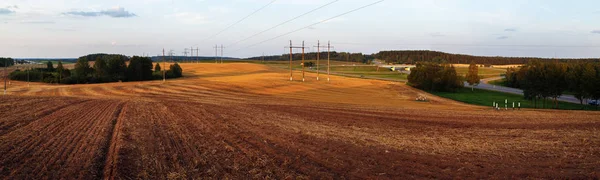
{"x": 73, "y": 28}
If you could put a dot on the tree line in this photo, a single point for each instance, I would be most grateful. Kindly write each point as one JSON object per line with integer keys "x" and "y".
{"x": 5, "y": 62}
{"x": 431, "y": 76}
{"x": 106, "y": 68}
{"x": 542, "y": 80}
{"x": 412, "y": 57}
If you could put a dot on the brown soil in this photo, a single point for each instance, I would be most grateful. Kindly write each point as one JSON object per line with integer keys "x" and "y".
{"x": 242, "y": 121}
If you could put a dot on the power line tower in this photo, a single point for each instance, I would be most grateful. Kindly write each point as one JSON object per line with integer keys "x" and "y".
{"x": 164, "y": 66}
{"x": 216, "y": 53}
{"x": 197, "y": 54}
{"x": 292, "y": 58}
{"x": 5, "y": 75}
{"x": 171, "y": 53}
{"x": 328, "y": 59}
{"x": 222, "y": 53}
{"x": 319, "y": 57}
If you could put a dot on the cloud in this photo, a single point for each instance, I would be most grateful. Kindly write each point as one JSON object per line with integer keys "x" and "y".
{"x": 510, "y": 30}
{"x": 502, "y": 37}
{"x": 82, "y": 13}
{"x": 117, "y": 12}
{"x": 595, "y": 32}
{"x": 4, "y": 11}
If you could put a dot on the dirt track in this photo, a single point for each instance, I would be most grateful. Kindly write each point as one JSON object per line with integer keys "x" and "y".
{"x": 243, "y": 121}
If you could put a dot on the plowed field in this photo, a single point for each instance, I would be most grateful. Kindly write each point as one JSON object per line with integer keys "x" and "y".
{"x": 244, "y": 121}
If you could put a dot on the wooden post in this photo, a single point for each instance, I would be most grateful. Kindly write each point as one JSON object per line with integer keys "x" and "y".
{"x": 318, "y": 54}
{"x": 291, "y": 57}
{"x": 221, "y": 54}
{"x": 328, "y": 57}
{"x": 302, "y": 61}
{"x": 165, "y": 67}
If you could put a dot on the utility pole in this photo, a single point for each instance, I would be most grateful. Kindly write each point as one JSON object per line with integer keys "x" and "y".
{"x": 29, "y": 65}
{"x": 171, "y": 53}
{"x": 263, "y": 58}
{"x": 197, "y": 54}
{"x": 5, "y": 75}
{"x": 216, "y": 55}
{"x": 165, "y": 66}
{"x": 318, "y": 54}
{"x": 348, "y": 57}
{"x": 319, "y": 57}
{"x": 302, "y": 61}
{"x": 292, "y": 57}
{"x": 221, "y": 53}
{"x": 328, "y": 58}
{"x": 59, "y": 75}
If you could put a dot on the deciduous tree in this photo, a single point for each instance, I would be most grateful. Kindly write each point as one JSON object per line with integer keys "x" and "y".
{"x": 473, "y": 75}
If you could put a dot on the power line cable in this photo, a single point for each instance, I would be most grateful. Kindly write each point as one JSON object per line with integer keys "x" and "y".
{"x": 482, "y": 45}
{"x": 294, "y": 31}
{"x": 280, "y": 24}
{"x": 239, "y": 21}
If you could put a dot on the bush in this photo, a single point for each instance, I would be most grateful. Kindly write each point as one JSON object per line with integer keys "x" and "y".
{"x": 435, "y": 77}
{"x": 309, "y": 64}
{"x": 139, "y": 69}
{"x": 156, "y": 75}
{"x": 175, "y": 71}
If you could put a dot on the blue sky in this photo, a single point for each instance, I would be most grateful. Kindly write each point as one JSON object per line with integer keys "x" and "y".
{"x": 72, "y": 28}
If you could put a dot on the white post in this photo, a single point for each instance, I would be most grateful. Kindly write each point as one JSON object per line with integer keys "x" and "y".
{"x": 513, "y": 105}
{"x": 506, "y": 104}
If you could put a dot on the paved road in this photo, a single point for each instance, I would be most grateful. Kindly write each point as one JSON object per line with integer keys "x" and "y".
{"x": 485, "y": 85}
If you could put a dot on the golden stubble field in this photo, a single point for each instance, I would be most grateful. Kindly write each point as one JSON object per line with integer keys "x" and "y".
{"x": 243, "y": 121}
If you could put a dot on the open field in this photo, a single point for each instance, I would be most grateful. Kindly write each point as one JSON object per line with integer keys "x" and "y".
{"x": 343, "y": 69}
{"x": 242, "y": 121}
{"x": 485, "y": 72}
{"x": 486, "y": 98}
{"x": 56, "y": 62}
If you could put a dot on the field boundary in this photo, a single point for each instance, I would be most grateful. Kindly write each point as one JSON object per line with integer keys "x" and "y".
{"x": 111, "y": 153}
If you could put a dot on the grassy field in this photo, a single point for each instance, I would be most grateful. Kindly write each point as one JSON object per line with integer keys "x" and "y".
{"x": 486, "y": 98}
{"x": 499, "y": 82}
{"x": 56, "y": 62}
{"x": 344, "y": 69}
{"x": 485, "y": 72}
